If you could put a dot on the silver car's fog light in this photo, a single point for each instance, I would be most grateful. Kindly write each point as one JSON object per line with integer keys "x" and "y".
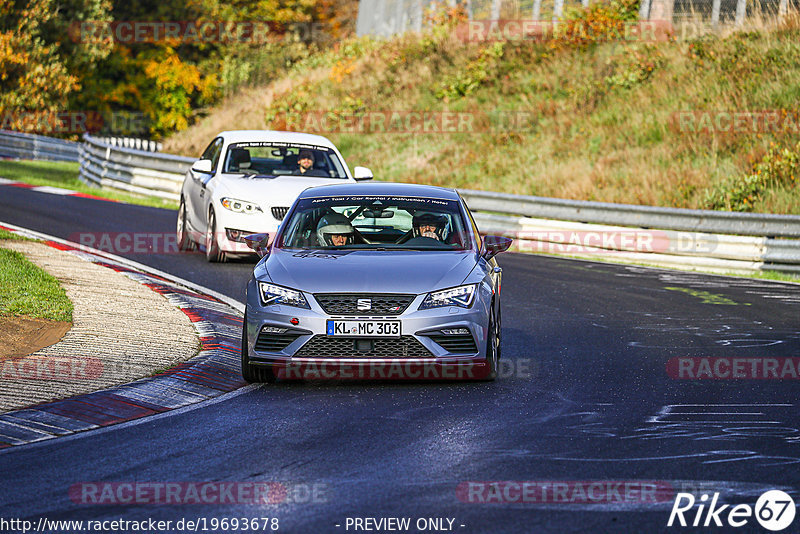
{"x": 455, "y": 331}
{"x": 462, "y": 296}
{"x": 273, "y": 329}
{"x": 272, "y": 294}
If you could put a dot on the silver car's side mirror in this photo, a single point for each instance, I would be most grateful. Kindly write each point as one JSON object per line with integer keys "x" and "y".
{"x": 362, "y": 173}
{"x": 494, "y": 245}
{"x": 202, "y": 165}
{"x": 259, "y": 243}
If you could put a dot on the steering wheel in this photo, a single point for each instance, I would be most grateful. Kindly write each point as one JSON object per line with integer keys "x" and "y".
{"x": 422, "y": 240}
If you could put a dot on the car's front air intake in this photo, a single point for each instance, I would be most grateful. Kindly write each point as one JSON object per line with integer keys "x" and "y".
{"x": 321, "y": 346}
{"x": 364, "y": 303}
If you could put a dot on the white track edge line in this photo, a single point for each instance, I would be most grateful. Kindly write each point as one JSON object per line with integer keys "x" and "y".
{"x": 233, "y": 303}
{"x": 133, "y": 422}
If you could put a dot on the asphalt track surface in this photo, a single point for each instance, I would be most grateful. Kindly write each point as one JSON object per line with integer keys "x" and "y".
{"x": 587, "y": 397}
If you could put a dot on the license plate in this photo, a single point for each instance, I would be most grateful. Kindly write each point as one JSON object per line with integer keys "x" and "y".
{"x": 338, "y": 328}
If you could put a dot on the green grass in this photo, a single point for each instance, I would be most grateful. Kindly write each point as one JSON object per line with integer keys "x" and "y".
{"x": 26, "y": 289}
{"x": 65, "y": 174}
{"x": 603, "y": 118}
{"x": 5, "y": 234}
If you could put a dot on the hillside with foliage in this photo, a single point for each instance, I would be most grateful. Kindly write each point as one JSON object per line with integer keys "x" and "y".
{"x": 605, "y": 114}
{"x": 59, "y": 57}
{"x": 606, "y": 119}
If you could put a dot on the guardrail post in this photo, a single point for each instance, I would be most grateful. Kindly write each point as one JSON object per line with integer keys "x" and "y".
{"x": 741, "y": 11}
{"x": 715, "y": 13}
{"x": 495, "y": 15}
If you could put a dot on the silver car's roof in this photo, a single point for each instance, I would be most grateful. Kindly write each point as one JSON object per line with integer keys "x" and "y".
{"x": 381, "y": 188}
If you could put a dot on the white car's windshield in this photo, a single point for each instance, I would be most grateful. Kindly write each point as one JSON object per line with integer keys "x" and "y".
{"x": 273, "y": 159}
{"x": 377, "y": 223}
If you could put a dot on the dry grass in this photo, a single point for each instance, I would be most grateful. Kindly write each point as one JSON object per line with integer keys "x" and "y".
{"x": 603, "y": 125}
{"x": 243, "y": 111}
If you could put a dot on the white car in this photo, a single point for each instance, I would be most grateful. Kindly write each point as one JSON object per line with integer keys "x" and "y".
{"x": 245, "y": 182}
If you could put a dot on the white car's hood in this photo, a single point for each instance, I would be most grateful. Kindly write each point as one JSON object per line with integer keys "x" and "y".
{"x": 278, "y": 191}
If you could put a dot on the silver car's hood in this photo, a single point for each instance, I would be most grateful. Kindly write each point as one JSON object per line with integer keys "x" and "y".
{"x": 330, "y": 271}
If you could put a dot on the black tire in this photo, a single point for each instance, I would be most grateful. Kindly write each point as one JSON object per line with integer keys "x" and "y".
{"x": 253, "y": 374}
{"x": 185, "y": 242}
{"x": 492, "y": 347}
{"x": 213, "y": 253}
{"x": 499, "y": 332}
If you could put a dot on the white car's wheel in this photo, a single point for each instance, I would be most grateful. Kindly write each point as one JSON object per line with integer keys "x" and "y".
{"x": 213, "y": 252}
{"x": 185, "y": 242}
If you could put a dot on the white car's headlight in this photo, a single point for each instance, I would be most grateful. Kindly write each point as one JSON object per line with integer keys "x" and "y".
{"x": 272, "y": 294}
{"x": 240, "y": 206}
{"x": 455, "y": 296}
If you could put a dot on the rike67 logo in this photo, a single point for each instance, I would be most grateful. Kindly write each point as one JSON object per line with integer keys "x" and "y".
{"x": 774, "y": 510}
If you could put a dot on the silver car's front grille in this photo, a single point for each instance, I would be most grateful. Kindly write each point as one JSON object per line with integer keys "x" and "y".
{"x": 279, "y": 212}
{"x": 364, "y": 304}
{"x": 321, "y": 346}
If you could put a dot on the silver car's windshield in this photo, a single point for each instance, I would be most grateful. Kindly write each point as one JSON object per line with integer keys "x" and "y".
{"x": 271, "y": 159}
{"x": 376, "y": 223}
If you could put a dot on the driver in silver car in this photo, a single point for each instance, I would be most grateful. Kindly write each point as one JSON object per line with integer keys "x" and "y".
{"x": 430, "y": 225}
{"x": 335, "y": 230}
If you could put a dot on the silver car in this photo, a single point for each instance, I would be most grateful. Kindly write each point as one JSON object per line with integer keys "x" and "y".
{"x": 374, "y": 281}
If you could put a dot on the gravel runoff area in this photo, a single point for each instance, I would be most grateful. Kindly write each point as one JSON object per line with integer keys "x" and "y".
{"x": 121, "y": 331}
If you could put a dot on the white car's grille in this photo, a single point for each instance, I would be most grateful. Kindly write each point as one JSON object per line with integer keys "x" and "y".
{"x": 279, "y": 212}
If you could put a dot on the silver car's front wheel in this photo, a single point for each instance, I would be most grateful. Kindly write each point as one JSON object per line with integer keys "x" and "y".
{"x": 492, "y": 346}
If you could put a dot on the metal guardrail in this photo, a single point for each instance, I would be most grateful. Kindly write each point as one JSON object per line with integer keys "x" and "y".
{"x": 132, "y": 142}
{"x": 711, "y": 240}
{"x": 721, "y": 222}
{"x": 670, "y": 248}
{"x": 31, "y": 146}
{"x": 138, "y": 171}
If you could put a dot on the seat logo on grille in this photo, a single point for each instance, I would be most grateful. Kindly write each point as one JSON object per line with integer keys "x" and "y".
{"x": 364, "y": 304}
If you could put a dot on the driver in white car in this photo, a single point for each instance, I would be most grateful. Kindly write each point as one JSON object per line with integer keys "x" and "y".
{"x": 305, "y": 164}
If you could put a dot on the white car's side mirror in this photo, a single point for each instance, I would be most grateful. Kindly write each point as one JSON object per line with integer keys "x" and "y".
{"x": 202, "y": 165}
{"x": 362, "y": 173}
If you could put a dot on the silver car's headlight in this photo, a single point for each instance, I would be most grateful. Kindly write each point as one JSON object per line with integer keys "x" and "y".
{"x": 240, "y": 206}
{"x": 455, "y": 296}
{"x": 272, "y": 294}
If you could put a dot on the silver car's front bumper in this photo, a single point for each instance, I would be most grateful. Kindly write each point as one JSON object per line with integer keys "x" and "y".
{"x": 424, "y": 359}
